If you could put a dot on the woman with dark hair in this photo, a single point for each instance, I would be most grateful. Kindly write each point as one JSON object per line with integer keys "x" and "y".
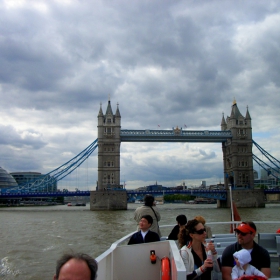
{"x": 194, "y": 254}
{"x": 149, "y": 208}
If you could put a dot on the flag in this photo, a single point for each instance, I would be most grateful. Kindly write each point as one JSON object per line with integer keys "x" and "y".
{"x": 236, "y": 217}
{"x": 185, "y": 126}
{"x": 158, "y": 125}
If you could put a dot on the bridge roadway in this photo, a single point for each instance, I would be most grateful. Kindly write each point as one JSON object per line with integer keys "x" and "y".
{"x": 175, "y": 135}
{"x": 214, "y": 194}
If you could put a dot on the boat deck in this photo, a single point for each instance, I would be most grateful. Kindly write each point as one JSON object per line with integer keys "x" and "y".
{"x": 123, "y": 261}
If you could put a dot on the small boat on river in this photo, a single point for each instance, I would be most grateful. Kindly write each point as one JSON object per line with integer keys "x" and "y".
{"x": 122, "y": 261}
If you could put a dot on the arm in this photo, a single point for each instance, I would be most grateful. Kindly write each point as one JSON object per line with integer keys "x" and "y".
{"x": 136, "y": 216}
{"x": 131, "y": 240}
{"x": 227, "y": 262}
{"x": 189, "y": 265}
{"x": 226, "y": 272}
{"x": 266, "y": 271}
{"x": 257, "y": 272}
{"x": 234, "y": 273}
{"x": 209, "y": 232}
{"x": 211, "y": 247}
{"x": 158, "y": 214}
{"x": 173, "y": 234}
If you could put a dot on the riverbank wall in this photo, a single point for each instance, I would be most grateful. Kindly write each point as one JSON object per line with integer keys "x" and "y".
{"x": 108, "y": 200}
{"x": 250, "y": 198}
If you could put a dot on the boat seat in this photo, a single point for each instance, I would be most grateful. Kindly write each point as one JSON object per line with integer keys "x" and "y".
{"x": 278, "y": 249}
{"x": 268, "y": 241}
{"x": 222, "y": 239}
{"x": 223, "y": 244}
{"x": 223, "y": 235}
{"x": 278, "y": 243}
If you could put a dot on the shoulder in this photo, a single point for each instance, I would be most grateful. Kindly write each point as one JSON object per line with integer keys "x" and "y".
{"x": 140, "y": 209}
{"x": 230, "y": 249}
{"x": 136, "y": 234}
{"x": 185, "y": 248}
{"x": 227, "y": 256}
{"x": 259, "y": 249}
{"x": 152, "y": 233}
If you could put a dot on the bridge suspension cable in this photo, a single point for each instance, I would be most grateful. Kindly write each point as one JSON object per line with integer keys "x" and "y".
{"x": 267, "y": 155}
{"x": 265, "y": 166}
{"x": 59, "y": 173}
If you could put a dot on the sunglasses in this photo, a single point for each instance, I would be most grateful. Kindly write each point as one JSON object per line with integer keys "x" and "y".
{"x": 201, "y": 231}
{"x": 242, "y": 233}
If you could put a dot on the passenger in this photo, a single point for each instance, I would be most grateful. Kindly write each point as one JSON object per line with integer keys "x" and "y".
{"x": 76, "y": 267}
{"x": 208, "y": 229}
{"x": 242, "y": 267}
{"x": 149, "y": 208}
{"x": 246, "y": 232}
{"x": 144, "y": 235}
{"x": 181, "y": 221}
{"x": 194, "y": 254}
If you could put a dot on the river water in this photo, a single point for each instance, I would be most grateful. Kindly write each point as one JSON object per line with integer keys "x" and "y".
{"x": 33, "y": 238}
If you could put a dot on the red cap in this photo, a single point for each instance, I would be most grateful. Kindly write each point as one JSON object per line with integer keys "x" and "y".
{"x": 245, "y": 228}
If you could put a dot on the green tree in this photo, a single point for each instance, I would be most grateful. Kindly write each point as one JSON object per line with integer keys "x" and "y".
{"x": 177, "y": 197}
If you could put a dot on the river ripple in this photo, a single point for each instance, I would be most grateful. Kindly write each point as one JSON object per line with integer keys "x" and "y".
{"x": 33, "y": 238}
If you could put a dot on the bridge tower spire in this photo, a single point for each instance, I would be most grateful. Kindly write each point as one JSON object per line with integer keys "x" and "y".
{"x": 237, "y": 152}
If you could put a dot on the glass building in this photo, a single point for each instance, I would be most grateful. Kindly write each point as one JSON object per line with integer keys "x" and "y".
{"x": 6, "y": 180}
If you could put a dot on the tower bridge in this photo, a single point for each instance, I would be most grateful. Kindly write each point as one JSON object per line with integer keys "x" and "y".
{"x": 235, "y": 137}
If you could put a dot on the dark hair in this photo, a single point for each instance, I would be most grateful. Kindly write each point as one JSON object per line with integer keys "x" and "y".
{"x": 251, "y": 224}
{"x": 149, "y": 200}
{"x": 184, "y": 233}
{"x": 91, "y": 263}
{"x": 148, "y": 218}
{"x": 181, "y": 219}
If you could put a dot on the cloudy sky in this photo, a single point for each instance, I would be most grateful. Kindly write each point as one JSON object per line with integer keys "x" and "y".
{"x": 167, "y": 63}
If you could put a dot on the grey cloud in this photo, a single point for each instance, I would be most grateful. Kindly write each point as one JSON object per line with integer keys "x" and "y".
{"x": 29, "y": 138}
{"x": 165, "y": 63}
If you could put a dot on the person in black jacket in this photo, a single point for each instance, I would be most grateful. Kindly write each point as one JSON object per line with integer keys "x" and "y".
{"x": 144, "y": 235}
{"x": 181, "y": 220}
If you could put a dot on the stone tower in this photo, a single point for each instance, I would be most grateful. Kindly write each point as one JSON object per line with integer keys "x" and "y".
{"x": 109, "y": 127}
{"x": 237, "y": 152}
{"x": 109, "y": 195}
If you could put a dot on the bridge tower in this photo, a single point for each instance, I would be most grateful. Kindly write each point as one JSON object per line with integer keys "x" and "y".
{"x": 237, "y": 152}
{"x": 109, "y": 194}
{"x": 109, "y": 127}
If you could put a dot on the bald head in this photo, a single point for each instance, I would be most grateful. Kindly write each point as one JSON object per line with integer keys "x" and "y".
{"x": 74, "y": 270}
{"x": 76, "y": 267}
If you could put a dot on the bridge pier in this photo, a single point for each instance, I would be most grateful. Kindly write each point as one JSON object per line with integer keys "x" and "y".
{"x": 248, "y": 198}
{"x": 108, "y": 200}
